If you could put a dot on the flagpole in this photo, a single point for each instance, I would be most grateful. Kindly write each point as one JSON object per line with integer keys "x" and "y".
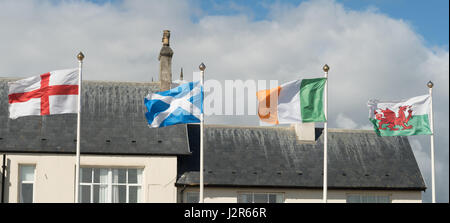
{"x": 80, "y": 57}
{"x": 325, "y": 136}
{"x": 433, "y": 191}
{"x": 202, "y": 68}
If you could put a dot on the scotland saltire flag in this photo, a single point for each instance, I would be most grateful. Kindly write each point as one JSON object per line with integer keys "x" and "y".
{"x": 182, "y": 104}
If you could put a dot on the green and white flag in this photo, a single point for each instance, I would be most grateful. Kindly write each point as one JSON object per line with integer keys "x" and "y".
{"x": 293, "y": 102}
{"x": 401, "y": 118}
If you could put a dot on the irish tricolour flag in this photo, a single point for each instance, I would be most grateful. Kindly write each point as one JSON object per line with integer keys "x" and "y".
{"x": 401, "y": 118}
{"x": 292, "y": 102}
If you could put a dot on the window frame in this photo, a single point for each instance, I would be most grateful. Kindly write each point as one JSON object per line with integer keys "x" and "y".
{"x": 19, "y": 199}
{"x": 281, "y": 194}
{"x": 110, "y": 183}
{"x": 367, "y": 194}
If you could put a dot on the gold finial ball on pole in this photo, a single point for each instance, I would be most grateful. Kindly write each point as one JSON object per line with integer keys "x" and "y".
{"x": 80, "y": 56}
{"x": 430, "y": 84}
{"x": 326, "y": 68}
{"x": 202, "y": 67}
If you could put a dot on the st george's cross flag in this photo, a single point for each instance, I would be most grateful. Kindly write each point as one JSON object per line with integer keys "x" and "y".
{"x": 179, "y": 105}
{"x": 402, "y": 117}
{"x": 293, "y": 102}
{"x": 55, "y": 92}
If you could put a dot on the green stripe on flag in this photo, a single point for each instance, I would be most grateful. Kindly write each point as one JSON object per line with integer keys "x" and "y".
{"x": 420, "y": 126}
{"x": 311, "y": 100}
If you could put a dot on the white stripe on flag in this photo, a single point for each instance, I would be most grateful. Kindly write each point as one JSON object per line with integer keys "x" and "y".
{"x": 289, "y": 103}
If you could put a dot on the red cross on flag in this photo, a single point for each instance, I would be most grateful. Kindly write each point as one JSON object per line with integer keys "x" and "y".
{"x": 51, "y": 93}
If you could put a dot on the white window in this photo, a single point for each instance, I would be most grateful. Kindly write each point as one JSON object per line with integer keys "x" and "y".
{"x": 110, "y": 185}
{"x": 192, "y": 197}
{"x": 26, "y": 184}
{"x": 368, "y": 198}
{"x": 260, "y": 198}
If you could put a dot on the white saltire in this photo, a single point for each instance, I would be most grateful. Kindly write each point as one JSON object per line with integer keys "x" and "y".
{"x": 182, "y": 102}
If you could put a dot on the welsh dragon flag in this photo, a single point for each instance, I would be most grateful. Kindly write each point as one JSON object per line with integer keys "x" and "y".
{"x": 401, "y": 118}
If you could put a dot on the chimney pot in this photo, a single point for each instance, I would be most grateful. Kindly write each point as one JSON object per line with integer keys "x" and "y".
{"x": 305, "y": 132}
{"x": 166, "y": 37}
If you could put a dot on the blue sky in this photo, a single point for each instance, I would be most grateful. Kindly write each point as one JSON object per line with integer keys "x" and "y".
{"x": 428, "y": 18}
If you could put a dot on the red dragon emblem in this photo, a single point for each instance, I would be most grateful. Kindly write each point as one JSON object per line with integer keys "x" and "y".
{"x": 388, "y": 117}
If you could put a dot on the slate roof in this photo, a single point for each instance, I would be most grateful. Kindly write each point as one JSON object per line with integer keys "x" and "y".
{"x": 272, "y": 157}
{"x": 113, "y": 122}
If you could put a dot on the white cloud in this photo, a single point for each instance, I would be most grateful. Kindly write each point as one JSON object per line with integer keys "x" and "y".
{"x": 370, "y": 54}
{"x": 345, "y": 122}
{"x": 422, "y": 150}
{"x": 422, "y": 158}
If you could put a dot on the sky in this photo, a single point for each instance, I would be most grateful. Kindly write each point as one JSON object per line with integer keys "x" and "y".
{"x": 428, "y": 18}
{"x": 375, "y": 49}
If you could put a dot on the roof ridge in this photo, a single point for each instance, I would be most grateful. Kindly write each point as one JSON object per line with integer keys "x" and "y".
{"x": 288, "y": 127}
{"x": 118, "y": 82}
{"x": 351, "y": 130}
{"x": 89, "y": 81}
{"x": 248, "y": 126}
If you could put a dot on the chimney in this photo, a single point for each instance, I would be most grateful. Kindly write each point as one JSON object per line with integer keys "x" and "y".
{"x": 305, "y": 132}
{"x": 165, "y": 63}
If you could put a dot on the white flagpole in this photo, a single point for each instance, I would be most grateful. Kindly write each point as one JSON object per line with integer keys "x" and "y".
{"x": 202, "y": 68}
{"x": 325, "y": 136}
{"x": 80, "y": 57}
{"x": 433, "y": 191}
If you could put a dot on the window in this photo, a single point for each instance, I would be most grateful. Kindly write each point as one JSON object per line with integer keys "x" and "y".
{"x": 109, "y": 185}
{"x": 192, "y": 197}
{"x": 260, "y": 198}
{"x": 368, "y": 198}
{"x": 26, "y": 184}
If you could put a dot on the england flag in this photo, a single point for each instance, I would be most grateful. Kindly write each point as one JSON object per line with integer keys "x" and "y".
{"x": 183, "y": 104}
{"x": 51, "y": 93}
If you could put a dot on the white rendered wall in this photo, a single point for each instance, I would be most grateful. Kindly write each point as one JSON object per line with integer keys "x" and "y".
{"x": 55, "y": 175}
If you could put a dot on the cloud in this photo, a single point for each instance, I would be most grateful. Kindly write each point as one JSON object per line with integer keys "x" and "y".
{"x": 370, "y": 54}
{"x": 345, "y": 122}
{"x": 423, "y": 158}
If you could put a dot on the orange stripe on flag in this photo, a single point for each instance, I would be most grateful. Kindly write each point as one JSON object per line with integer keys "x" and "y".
{"x": 268, "y": 105}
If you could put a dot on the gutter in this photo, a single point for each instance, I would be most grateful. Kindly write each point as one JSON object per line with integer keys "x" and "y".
{"x": 182, "y": 195}
{"x": 302, "y": 187}
{"x": 3, "y": 178}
